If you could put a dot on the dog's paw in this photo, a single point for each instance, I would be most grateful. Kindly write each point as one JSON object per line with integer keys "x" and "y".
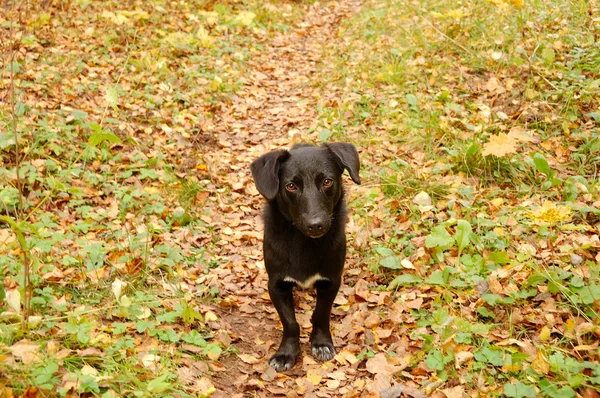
{"x": 323, "y": 352}
{"x": 282, "y": 361}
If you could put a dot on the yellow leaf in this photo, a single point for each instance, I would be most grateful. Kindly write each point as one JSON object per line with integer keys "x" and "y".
{"x": 549, "y": 212}
{"x": 518, "y": 3}
{"x": 457, "y": 13}
{"x": 512, "y": 368}
{"x": 500, "y": 145}
{"x": 211, "y": 17}
{"x": 117, "y": 19}
{"x": 545, "y": 334}
{"x": 136, "y": 14}
{"x": 205, "y": 38}
{"x": 498, "y": 202}
{"x": 215, "y": 83}
{"x": 89, "y": 371}
{"x": 42, "y": 19}
{"x": 345, "y": 357}
{"x": 151, "y": 190}
{"x": 539, "y": 364}
{"x": 313, "y": 376}
{"x": 245, "y": 17}
{"x": 210, "y": 316}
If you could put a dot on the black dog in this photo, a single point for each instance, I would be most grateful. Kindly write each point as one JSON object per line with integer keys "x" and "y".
{"x": 304, "y": 241}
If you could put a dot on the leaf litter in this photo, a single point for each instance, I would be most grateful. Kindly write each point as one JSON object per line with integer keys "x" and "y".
{"x": 165, "y": 233}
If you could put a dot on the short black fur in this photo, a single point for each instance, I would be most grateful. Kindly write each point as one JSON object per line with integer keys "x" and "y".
{"x": 304, "y": 236}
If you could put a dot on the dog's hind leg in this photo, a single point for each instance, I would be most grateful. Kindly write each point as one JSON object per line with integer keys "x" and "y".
{"x": 320, "y": 339}
{"x": 282, "y": 297}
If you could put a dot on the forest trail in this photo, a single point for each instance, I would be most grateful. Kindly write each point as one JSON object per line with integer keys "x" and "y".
{"x": 276, "y": 106}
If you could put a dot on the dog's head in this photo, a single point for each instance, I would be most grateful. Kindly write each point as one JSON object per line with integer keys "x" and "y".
{"x": 306, "y": 182}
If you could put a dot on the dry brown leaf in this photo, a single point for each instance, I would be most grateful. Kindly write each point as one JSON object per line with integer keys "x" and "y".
{"x": 462, "y": 357}
{"x": 361, "y": 289}
{"x": 91, "y": 352}
{"x": 26, "y": 351}
{"x": 455, "y": 392}
{"x": 521, "y": 134}
{"x": 269, "y": 375}
{"x": 495, "y": 286}
{"x": 186, "y": 375}
{"x": 205, "y": 387}
{"x": 379, "y": 365}
{"x": 590, "y": 393}
{"x": 414, "y": 304}
{"x": 248, "y": 358}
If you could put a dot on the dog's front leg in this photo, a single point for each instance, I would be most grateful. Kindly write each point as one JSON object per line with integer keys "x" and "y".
{"x": 320, "y": 339}
{"x": 282, "y": 297}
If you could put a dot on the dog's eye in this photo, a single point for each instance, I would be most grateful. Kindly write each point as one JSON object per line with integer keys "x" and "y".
{"x": 327, "y": 182}
{"x": 291, "y": 187}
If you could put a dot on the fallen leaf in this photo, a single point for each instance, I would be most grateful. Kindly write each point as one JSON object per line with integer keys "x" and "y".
{"x": 379, "y": 364}
{"x": 406, "y": 263}
{"x": 461, "y": 357}
{"x": 26, "y": 351}
{"x": 544, "y": 334}
{"x": 422, "y": 199}
{"x": 500, "y": 145}
{"x": 205, "y": 387}
{"x": 361, "y": 289}
{"x": 589, "y": 392}
{"x": 117, "y": 287}
{"x": 540, "y": 365}
{"x": 314, "y": 376}
{"x": 210, "y": 316}
{"x": 455, "y": 392}
{"x": 13, "y": 299}
{"x": 248, "y": 358}
{"x": 550, "y": 213}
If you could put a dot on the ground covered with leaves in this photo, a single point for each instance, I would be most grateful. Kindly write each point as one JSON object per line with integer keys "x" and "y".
{"x": 130, "y": 237}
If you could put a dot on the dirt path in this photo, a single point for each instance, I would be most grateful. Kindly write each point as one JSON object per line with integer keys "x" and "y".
{"x": 276, "y": 106}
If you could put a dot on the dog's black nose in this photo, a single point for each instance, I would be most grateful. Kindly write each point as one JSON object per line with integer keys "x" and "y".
{"x": 315, "y": 224}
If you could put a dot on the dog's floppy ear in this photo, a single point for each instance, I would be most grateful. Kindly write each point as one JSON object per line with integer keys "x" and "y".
{"x": 265, "y": 171}
{"x": 347, "y": 157}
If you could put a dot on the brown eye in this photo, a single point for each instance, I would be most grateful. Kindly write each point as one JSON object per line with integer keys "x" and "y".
{"x": 327, "y": 182}
{"x": 291, "y": 187}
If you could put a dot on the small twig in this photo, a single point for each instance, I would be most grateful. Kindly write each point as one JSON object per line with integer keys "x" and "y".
{"x": 13, "y": 103}
{"x": 17, "y": 228}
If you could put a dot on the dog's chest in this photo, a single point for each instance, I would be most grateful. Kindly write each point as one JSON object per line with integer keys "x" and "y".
{"x": 307, "y": 283}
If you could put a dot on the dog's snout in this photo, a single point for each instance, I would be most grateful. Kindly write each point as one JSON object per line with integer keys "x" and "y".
{"x": 316, "y": 224}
